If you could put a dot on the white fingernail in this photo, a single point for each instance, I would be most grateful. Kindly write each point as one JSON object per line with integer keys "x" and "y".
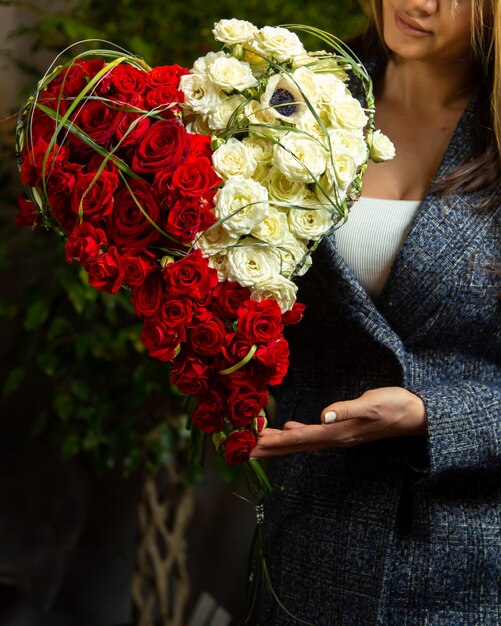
{"x": 330, "y": 416}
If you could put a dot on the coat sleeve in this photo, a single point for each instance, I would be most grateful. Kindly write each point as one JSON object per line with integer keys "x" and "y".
{"x": 464, "y": 428}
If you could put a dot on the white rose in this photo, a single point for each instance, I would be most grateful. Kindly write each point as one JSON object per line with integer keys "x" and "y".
{"x": 345, "y": 170}
{"x": 278, "y": 43}
{"x": 219, "y": 262}
{"x": 283, "y": 99}
{"x": 261, "y": 148}
{"x": 322, "y": 62}
{"x": 242, "y": 203}
{"x": 281, "y": 189}
{"x": 234, "y": 31}
{"x": 310, "y": 125}
{"x": 200, "y": 94}
{"x": 294, "y": 252}
{"x": 256, "y": 60}
{"x": 252, "y": 263}
{"x": 381, "y": 147}
{"x": 310, "y": 223}
{"x": 299, "y": 157}
{"x": 350, "y": 142}
{"x": 202, "y": 63}
{"x": 347, "y": 113}
{"x": 276, "y": 288}
{"x": 261, "y": 119}
{"x": 330, "y": 88}
{"x": 229, "y": 73}
{"x": 233, "y": 158}
{"x": 308, "y": 82}
{"x": 261, "y": 174}
{"x": 218, "y": 119}
{"x": 215, "y": 240}
{"x": 198, "y": 125}
{"x": 273, "y": 229}
{"x": 328, "y": 187}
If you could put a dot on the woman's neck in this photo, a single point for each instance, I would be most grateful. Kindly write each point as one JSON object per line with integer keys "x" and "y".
{"x": 423, "y": 87}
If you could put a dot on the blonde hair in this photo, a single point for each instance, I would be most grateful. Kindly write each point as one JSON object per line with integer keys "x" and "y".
{"x": 484, "y": 171}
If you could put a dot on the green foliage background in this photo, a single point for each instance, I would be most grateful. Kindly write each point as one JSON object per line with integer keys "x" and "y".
{"x": 74, "y": 370}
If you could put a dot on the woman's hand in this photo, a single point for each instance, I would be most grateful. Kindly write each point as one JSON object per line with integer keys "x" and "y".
{"x": 376, "y": 414}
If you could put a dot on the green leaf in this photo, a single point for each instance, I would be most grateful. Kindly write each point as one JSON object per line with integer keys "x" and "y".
{"x": 92, "y": 439}
{"x": 63, "y": 405}
{"x": 79, "y": 389}
{"x": 39, "y": 424}
{"x": 13, "y": 380}
{"x": 59, "y": 327}
{"x": 37, "y": 314}
{"x": 47, "y": 362}
{"x": 70, "y": 446}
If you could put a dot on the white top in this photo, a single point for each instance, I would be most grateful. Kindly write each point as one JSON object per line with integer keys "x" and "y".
{"x": 371, "y": 238}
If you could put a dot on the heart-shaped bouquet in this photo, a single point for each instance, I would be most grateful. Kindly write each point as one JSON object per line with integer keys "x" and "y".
{"x": 203, "y": 192}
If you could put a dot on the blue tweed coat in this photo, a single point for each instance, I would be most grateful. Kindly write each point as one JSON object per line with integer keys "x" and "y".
{"x": 403, "y": 531}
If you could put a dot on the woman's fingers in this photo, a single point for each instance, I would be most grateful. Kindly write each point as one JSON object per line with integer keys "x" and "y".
{"x": 292, "y": 424}
{"x": 346, "y": 410}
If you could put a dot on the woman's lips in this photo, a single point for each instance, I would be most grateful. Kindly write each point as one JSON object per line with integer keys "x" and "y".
{"x": 409, "y": 27}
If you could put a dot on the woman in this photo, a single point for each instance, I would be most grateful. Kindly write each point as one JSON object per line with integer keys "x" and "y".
{"x": 387, "y": 490}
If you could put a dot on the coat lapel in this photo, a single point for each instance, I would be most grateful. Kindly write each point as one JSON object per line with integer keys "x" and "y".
{"x": 443, "y": 235}
{"x": 425, "y": 268}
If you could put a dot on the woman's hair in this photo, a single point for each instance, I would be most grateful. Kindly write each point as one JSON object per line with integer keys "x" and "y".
{"x": 483, "y": 171}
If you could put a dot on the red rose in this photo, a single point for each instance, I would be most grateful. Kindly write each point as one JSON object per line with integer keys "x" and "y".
{"x": 131, "y": 128}
{"x": 137, "y": 265}
{"x": 177, "y": 311}
{"x": 96, "y": 161}
{"x": 39, "y": 157}
{"x": 295, "y": 315}
{"x": 191, "y": 276}
{"x": 42, "y": 126}
{"x": 245, "y": 403}
{"x": 94, "y": 198}
{"x": 186, "y": 218}
{"x": 61, "y": 181}
{"x": 162, "y": 189}
{"x": 161, "y": 97}
{"x": 54, "y": 101}
{"x": 195, "y": 177}
{"x": 275, "y": 356}
{"x": 98, "y": 120}
{"x": 260, "y": 423}
{"x": 147, "y": 298}
{"x": 91, "y": 67}
{"x": 228, "y": 297}
{"x": 60, "y": 184}
{"x": 128, "y": 80}
{"x": 165, "y": 75}
{"x": 69, "y": 82}
{"x": 127, "y": 224}
{"x": 209, "y": 415}
{"x": 105, "y": 271}
{"x": 261, "y": 321}
{"x": 84, "y": 243}
{"x": 191, "y": 375}
{"x": 208, "y": 337}
{"x": 28, "y": 214}
{"x": 238, "y": 447}
{"x": 161, "y": 341}
{"x": 237, "y": 346}
{"x": 200, "y": 145}
{"x": 162, "y": 148}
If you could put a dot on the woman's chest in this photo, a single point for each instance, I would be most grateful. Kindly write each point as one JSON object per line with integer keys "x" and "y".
{"x": 420, "y": 143}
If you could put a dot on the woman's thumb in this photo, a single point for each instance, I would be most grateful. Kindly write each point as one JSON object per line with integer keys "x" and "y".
{"x": 341, "y": 411}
